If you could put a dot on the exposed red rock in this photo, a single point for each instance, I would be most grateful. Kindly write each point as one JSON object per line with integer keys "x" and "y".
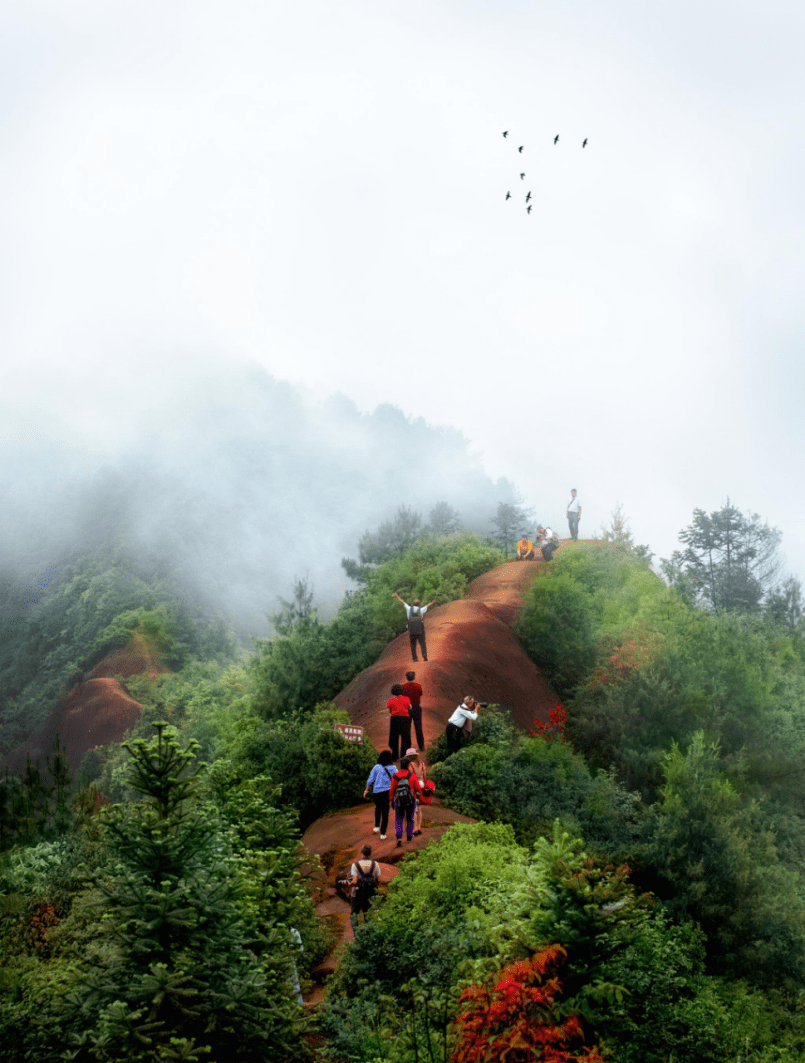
{"x": 137, "y": 657}
{"x": 472, "y": 649}
{"x": 97, "y": 712}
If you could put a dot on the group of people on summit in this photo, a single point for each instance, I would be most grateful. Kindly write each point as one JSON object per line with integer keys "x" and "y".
{"x": 548, "y": 539}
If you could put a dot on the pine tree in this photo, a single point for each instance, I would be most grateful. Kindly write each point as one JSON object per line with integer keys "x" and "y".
{"x": 175, "y": 970}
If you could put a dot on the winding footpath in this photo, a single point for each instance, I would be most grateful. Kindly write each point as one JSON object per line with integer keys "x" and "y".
{"x": 472, "y": 649}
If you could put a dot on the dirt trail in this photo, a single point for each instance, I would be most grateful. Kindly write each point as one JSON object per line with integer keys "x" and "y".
{"x": 472, "y": 649}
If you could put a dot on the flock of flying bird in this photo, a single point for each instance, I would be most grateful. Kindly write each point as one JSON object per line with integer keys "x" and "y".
{"x": 522, "y": 175}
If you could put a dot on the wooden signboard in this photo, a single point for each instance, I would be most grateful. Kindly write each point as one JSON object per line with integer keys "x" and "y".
{"x": 350, "y": 732}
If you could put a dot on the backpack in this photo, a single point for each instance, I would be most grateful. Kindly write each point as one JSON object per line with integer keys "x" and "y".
{"x": 366, "y": 886}
{"x": 416, "y": 625}
{"x": 404, "y": 798}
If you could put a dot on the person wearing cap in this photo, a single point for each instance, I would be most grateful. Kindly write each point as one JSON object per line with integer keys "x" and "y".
{"x": 467, "y": 710}
{"x": 399, "y": 721}
{"x": 413, "y": 691}
{"x": 415, "y": 613}
{"x": 573, "y": 514}
{"x": 418, "y": 765}
{"x": 525, "y": 549}
{"x": 548, "y": 542}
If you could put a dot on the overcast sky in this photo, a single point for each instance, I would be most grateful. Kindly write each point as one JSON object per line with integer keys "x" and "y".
{"x": 319, "y": 188}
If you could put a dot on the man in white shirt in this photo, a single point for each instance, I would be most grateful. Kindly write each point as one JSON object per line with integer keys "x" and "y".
{"x": 548, "y": 541}
{"x": 467, "y": 710}
{"x": 573, "y": 514}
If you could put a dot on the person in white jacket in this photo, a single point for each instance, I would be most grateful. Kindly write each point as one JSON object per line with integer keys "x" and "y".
{"x": 467, "y": 710}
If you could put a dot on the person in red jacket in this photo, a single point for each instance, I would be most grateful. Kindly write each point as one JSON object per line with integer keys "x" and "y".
{"x": 403, "y": 794}
{"x": 399, "y": 721}
{"x": 413, "y": 691}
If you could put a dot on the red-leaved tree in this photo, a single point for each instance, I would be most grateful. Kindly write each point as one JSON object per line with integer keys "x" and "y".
{"x": 519, "y": 1020}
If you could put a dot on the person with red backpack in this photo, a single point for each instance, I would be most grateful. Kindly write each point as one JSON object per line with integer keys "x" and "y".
{"x": 404, "y": 791}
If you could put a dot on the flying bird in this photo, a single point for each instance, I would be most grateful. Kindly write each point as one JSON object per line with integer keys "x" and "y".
{"x": 522, "y": 175}
{"x": 584, "y": 144}
{"x": 528, "y": 208}
{"x": 556, "y": 138}
{"x": 506, "y": 133}
{"x": 520, "y": 149}
{"x": 528, "y": 197}
{"x": 508, "y": 195}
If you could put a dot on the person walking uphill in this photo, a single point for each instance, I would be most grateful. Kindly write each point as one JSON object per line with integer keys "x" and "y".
{"x": 405, "y": 790}
{"x": 573, "y": 514}
{"x": 413, "y": 691}
{"x": 364, "y": 876}
{"x": 416, "y": 624}
{"x": 399, "y": 721}
{"x": 379, "y": 782}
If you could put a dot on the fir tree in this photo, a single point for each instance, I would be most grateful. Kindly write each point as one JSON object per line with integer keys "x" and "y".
{"x": 176, "y": 972}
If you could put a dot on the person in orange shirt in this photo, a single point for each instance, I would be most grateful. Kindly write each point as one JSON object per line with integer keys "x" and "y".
{"x": 525, "y": 549}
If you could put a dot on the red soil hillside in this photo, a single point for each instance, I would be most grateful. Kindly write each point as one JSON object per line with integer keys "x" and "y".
{"x": 97, "y": 712}
{"x": 137, "y": 657}
{"x": 472, "y": 649}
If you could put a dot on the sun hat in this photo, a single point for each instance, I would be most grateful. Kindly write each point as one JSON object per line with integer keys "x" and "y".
{"x": 411, "y": 752}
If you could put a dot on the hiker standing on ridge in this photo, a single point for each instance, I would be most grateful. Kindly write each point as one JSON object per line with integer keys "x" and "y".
{"x": 413, "y": 691}
{"x": 364, "y": 877}
{"x": 399, "y": 721}
{"x": 573, "y": 514}
{"x": 416, "y": 625}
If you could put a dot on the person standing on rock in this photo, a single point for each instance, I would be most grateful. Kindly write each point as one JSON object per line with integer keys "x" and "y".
{"x": 573, "y": 514}
{"x": 405, "y": 790}
{"x": 379, "y": 782}
{"x": 413, "y": 691}
{"x": 399, "y": 721}
{"x": 364, "y": 876}
{"x": 467, "y": 710}
{"x": 416, "y": 624}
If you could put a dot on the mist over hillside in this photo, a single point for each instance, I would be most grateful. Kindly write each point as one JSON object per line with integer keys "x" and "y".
{"x": 233, "y": 487}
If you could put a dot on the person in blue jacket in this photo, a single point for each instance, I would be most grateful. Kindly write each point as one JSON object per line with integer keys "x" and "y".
{"x": 379, "y": 782}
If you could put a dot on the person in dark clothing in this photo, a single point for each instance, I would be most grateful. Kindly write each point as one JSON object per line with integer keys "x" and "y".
{"x": 364, "y": 877}
{"x": 415, "y": 613}
{"x": 399, "y": 721}
{"x": 413, "y": 691}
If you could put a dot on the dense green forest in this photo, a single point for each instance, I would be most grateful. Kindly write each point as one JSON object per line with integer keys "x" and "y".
{"x": 633, "y": 888}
